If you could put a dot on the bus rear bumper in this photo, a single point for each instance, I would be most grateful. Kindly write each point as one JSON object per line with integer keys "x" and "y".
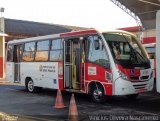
{"x": 123, "y": 87}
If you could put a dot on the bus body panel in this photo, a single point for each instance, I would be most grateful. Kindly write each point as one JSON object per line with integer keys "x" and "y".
{"x": 123, "y": 87}
{"x": 10, "y": 71}
{"x": 139, "y": 80}
{"x": 153, "y": 66}
{"x": 137, "y": 73}
{"x": 96, "y": 73}
{"x": 43, "y": 74}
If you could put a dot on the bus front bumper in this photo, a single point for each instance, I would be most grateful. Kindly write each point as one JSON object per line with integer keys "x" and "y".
{"x": 123, "y": 87}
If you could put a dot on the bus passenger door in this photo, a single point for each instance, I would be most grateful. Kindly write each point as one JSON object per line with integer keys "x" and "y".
{"x": 10, "y": 64}
{"x": 67, "y": 64}
{"x": 16, "y": 59}
{"x": 73, "y": 67}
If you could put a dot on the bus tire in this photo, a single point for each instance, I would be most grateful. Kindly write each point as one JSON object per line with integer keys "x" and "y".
{"x": 97, "y": 94}
{"x": 132, "y": 96}
{"x": 30, "y": 86}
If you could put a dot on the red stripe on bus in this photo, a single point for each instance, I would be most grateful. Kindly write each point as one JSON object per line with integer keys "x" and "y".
{"x": 108, "y": 88}
{"x": 78, "y": 33}
{"x": 60, "y": 75}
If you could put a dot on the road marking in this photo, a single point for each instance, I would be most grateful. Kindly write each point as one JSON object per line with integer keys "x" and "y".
{"x": 1, "y": 114}
{"x": 22, "y": 116}
{"x": 33, "y": 117}
{"x": 7, "y": 117}
{"x": 12, "y": 89}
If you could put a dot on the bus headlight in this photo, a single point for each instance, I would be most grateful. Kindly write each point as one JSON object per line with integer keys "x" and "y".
{"x": 122, "y": 75}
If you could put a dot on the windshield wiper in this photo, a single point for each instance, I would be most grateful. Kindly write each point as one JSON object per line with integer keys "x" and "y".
{"x": 133, "y": 57}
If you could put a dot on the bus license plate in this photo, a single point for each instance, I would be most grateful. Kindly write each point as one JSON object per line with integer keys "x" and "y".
{"x": 145, "y": 72}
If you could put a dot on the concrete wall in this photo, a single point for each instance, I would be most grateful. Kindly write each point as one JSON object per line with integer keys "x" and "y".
{"x": 158, "y": 51}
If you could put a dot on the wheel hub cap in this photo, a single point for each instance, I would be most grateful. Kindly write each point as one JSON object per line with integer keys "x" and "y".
{"x": 30, "y": 86}
{"x": 97, "y": 94}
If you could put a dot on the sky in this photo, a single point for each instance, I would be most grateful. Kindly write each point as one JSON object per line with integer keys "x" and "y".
{"x": 99, "y": 14}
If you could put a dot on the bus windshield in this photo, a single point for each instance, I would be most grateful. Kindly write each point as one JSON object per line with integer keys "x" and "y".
{"x": 125, "y": 48}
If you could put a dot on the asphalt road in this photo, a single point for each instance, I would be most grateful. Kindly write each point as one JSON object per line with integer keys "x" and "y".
{"x": 17, "y": 103}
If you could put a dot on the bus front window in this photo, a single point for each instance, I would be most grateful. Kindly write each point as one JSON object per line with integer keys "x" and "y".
{"x": 96, "y": 52}
{"x": 126, "y": 49}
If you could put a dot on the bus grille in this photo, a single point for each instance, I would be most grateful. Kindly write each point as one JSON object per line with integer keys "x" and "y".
{"x": 140, "y": 86}
{"x": 134, "y": 78}
{"x": 141, "y": 79}
{"x": 144, "y": 77}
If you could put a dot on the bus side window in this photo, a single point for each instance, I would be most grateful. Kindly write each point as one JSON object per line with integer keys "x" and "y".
{"x": 10, "y": 53}
{"x": 42, "y": 50}
{"x": 29, "y": 51}
{"x": 56, "y": 51}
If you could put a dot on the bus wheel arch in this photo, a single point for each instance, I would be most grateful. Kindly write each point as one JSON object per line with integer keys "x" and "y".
{"x": 97, "y": 91}
{"x": 29, "y": 84}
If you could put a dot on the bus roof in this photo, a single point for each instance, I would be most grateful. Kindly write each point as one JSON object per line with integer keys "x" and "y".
{"x": 73, "y": 33}
{"x": 33, "y": 38}
{"x": 118, "y": 31}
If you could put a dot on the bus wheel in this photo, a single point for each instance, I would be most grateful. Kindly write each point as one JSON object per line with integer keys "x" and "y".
{"x": 132, "y": 96}
{"x": 97, "y": 93}
{"x": 30, "y": 86}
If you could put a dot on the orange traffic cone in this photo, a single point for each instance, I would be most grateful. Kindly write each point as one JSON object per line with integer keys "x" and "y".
{"x": 59, "y": 100}
{"x": 73, "y": 113}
